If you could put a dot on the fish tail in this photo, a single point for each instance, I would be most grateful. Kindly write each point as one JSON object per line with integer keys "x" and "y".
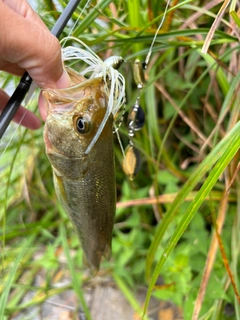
{"x": 92, "y": 260}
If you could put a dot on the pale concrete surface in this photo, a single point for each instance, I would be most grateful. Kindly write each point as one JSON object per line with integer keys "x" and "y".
{"x": 105, "y": 303}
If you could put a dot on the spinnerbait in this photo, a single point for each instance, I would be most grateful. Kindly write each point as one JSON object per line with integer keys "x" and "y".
{"x": 136, "y": 119}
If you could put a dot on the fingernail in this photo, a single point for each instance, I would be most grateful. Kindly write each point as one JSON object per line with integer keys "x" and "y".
{"x": 64, "y": 81}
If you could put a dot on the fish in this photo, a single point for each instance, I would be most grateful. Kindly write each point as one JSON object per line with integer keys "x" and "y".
{"x": 84, "y": 182}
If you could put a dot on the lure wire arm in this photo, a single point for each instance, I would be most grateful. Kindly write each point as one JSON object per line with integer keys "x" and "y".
{"x": 23, "y": 87}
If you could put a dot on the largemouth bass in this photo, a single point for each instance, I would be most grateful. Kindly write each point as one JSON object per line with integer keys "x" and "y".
{"x": 84, "y": 182}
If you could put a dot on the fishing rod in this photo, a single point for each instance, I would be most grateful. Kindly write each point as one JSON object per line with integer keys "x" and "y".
{"x": 24, "y": 85}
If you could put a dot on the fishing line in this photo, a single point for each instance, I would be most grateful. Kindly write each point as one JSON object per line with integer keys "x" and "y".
{"x": 76, "y": 22}
{"x": 119, "y": 140}
{"x": 136, "y": 117}
{"x": 155, "y": 36}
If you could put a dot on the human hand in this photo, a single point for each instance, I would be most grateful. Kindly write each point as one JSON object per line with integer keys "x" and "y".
{"x": 27, "y": 44}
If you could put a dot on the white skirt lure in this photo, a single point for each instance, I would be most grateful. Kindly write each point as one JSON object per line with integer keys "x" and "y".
{"x": 114, "y": 81}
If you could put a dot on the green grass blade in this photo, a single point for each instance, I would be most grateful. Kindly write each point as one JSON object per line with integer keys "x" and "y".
{"x": 226, "y": 155}
{"x": 220, "y": 75}
{"x": 11, "y": 276}
{"x": 76, "y": 279}
{"x": 90, "y": 18}
{"x": 196, "y": 177}
{"x": 235, "y": 18}
{"x": 128, "y": 295}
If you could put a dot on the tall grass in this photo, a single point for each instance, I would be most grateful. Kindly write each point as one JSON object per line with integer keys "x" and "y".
{"x": 184, "y": 203}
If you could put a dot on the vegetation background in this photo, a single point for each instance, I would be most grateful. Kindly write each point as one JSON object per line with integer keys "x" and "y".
{"x": 177, "y": 224}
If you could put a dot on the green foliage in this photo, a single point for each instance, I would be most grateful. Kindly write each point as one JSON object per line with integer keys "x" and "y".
{"x": 190, "y": 154}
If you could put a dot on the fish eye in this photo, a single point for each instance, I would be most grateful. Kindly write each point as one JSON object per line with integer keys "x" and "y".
{"x": 82, "y": 124}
